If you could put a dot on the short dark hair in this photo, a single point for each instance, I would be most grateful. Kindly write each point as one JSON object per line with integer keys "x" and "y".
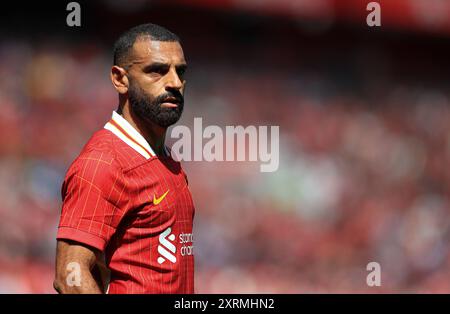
{"x": 125, "y": 42}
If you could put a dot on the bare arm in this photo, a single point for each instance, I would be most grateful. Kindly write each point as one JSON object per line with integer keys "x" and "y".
{"x": 76, "y": 269}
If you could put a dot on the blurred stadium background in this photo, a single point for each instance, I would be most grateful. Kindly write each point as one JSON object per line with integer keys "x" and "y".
{"x": 364, "y": 116}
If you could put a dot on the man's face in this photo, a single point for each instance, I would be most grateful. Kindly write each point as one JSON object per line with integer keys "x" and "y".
{"x": 156, "y": 81}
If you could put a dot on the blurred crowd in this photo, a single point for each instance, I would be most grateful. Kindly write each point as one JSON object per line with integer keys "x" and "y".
{"x": 363, "y": 167}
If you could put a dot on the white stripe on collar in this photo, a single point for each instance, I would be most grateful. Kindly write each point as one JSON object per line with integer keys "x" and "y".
{"x": 127, "y": 133}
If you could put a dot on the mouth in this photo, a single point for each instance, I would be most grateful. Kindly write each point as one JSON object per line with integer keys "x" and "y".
{"x": 169, "y": 105}
{"x": 170, "y": 102}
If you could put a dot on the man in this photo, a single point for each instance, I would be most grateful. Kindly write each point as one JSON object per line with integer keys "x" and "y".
{"x": 127, "y": 207}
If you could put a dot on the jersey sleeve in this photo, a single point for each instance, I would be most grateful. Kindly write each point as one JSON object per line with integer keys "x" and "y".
{"x": 93, "y": 200}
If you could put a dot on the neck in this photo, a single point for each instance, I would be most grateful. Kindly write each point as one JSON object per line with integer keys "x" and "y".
{"x": 153, "y": 134}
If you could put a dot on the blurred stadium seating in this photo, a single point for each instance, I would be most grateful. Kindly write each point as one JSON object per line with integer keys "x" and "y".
{"x": 364, "y": 122}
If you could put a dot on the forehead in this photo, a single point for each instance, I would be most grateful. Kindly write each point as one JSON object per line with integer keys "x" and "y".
{"x": 146, "y": 50}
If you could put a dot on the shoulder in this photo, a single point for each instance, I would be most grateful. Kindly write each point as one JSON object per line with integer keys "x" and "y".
{"x": 98, "y": 160}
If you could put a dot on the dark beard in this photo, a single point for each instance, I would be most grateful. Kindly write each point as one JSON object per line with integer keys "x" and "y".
{"x": 149, "y": 109}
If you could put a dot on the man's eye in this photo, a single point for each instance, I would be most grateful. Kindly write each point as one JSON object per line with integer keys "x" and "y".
{"x": 181, "y": 72}
{"x": 161, "y": 71}
{"x": 156, "y": 70}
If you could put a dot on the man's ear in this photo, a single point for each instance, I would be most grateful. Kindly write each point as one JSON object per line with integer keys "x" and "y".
{"x": 119, "y": 79}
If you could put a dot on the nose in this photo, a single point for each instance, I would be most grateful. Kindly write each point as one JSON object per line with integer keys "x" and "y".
{"x": 173, "y": 80}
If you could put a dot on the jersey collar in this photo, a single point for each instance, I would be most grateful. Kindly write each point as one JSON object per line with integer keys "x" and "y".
{"x": 127, "y": 133}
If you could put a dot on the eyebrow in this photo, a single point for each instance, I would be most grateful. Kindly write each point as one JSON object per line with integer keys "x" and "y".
{"x": 182, "y": 66}
{"x": 159, "y": 65}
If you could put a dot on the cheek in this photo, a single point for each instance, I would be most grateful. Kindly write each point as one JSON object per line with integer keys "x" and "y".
{"x": 151, "y": 90}
{"x": 151, "y": 85}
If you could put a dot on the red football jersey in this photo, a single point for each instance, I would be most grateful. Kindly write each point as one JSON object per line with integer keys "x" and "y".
{"x": 134, "y": 206}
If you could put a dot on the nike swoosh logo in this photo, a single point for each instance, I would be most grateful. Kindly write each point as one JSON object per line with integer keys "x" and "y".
{"x": 158, "y": 200}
